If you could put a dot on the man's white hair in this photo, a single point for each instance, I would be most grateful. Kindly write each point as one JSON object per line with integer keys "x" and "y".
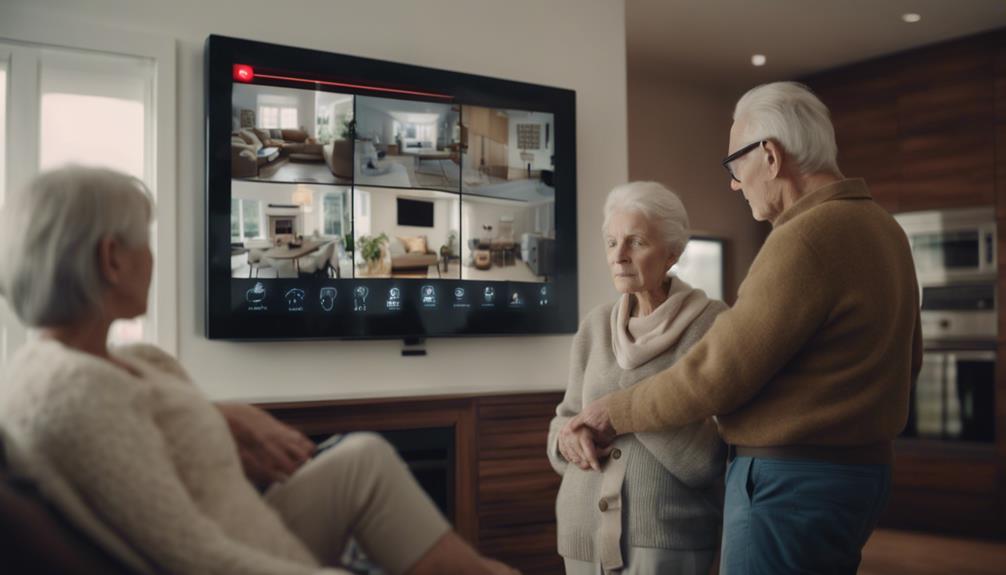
{"x": 661, "y": 206}
{"x": 790, "y": 114}
{"x": 49, "y": 236}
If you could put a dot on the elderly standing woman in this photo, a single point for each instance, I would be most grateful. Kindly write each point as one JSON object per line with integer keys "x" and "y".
{"x": 128, "y": 448}
{"x": 655, "y": 505}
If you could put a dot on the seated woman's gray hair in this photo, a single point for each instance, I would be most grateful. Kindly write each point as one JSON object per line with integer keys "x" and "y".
{"x": 659, "y": 204}
{"x": 49, "y": 236}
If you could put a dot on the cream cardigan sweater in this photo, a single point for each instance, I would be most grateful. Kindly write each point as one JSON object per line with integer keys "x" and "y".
{"x": 664, "y": 490}
{"x": 146, "y": 465}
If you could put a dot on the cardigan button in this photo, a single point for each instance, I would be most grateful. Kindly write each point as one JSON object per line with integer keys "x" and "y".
{"x": 616, "y": 453}
{"x": 602, "y": 505}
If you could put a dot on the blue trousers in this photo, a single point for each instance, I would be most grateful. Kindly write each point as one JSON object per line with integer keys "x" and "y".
{"x": 799, "y": 516}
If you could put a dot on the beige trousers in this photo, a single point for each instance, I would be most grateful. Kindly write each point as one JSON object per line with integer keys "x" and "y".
{"x": 359, "y": 488}
{"x": 648, "y": 561}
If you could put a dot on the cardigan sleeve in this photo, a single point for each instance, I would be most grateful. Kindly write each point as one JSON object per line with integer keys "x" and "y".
{"x": 100, "y": 438}
{"x": 781, "y": 304}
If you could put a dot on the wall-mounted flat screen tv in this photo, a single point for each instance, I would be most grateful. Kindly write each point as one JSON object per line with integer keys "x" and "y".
{"x": 355, "y": 198}
{"x": 415, "y": 213}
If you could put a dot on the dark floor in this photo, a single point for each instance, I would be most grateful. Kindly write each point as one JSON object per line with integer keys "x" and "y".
{"x": 891, "y": 552}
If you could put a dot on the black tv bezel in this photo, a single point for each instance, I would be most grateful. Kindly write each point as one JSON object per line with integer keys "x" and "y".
{"x": 225, "y": 323}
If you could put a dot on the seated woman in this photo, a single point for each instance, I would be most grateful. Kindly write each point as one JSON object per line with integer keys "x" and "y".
{"x": 131, "y": 450}
{"x": 655, "y": 505}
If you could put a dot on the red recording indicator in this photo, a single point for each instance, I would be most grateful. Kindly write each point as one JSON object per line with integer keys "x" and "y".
{"x": 243, "y": 73}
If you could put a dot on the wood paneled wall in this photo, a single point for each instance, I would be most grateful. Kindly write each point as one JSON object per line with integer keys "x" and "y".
{"x": 918, "y": 125}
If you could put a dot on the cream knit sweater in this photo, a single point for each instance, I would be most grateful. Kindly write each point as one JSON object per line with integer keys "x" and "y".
{"x": 664, "y": 491}
{"x": 146, "y": 465}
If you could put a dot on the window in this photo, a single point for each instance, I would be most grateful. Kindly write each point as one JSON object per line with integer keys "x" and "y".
{"x": 97, "y": 109}
{"x": 332, "y": 214}
{"x": 426, "y": 133}
{"x": 277, "y": 117}
{"x": 250, "y": 214}
{"x": 235, "y": 219}
{"x": 246, "y": 219}
{"x": 268, "y": 117}
{"x": 97, "y": 99}
{"x": 288, "y": 118}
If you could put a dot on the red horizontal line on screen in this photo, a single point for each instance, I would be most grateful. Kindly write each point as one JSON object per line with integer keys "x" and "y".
{"x": 356, "y": 86}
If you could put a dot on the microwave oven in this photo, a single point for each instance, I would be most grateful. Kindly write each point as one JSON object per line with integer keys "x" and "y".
{"x": 952, "y": 246}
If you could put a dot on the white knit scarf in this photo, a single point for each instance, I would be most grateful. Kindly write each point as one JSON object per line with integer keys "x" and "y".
{"x": 637, "y": 340}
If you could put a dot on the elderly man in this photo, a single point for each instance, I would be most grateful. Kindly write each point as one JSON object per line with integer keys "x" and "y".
{"x": 809, "y": 373}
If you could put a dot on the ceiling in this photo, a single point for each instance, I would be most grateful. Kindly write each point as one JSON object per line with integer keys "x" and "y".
{"x": 712, "y": 41}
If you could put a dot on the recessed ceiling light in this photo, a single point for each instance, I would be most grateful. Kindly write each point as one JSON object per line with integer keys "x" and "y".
{"x": 758, "y": 60}
{"x": 911, "y": 17}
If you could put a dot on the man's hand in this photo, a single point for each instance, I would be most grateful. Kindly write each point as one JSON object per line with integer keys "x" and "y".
{"x": 596, "y": 419}
{"x": 270, "y": 451}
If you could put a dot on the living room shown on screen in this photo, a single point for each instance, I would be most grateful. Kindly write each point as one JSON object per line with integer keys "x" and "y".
{"x": 407, "y": 144}
{"x": 508, "y": 153}
{"x": 507, "y": 239}
{"x": 290, "y": 231}
{"x": 288, "y": 135}
{"x": 406, "y": 233}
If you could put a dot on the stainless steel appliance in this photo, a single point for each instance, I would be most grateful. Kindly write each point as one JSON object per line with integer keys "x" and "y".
{"x": 954, "y": 397}
{"x": 955, "y": 260}
{"x": 951, "y": 246}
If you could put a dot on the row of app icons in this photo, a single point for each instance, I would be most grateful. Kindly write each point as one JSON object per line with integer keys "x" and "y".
{"x": 295, "y": 299}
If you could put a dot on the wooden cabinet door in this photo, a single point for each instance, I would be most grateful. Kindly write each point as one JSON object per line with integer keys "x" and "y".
{"x": 517, "y": 486}
{"x": 1000, "y": 153}
{"x": 476, "y": 119}
{"x": 499, "y": 127}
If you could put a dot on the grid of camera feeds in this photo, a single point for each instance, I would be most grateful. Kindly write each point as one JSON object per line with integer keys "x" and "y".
{"x": 331, "y": 185}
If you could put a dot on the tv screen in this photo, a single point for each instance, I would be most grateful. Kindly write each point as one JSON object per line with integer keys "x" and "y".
{"x": 356, "y": 198}
{"x": 415, "y": 213}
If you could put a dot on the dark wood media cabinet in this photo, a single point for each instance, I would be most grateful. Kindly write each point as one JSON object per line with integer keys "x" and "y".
{"x": 504, "y": 487}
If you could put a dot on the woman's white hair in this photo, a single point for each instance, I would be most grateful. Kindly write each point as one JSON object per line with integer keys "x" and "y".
{"x": 660, "y": 205}
{"x": 790, "y": 114}
{"x": 49, "y": 236}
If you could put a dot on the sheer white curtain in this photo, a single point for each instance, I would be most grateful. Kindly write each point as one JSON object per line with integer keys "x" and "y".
{"x": 87, "y": 108}
{"x": 97, "y": 109}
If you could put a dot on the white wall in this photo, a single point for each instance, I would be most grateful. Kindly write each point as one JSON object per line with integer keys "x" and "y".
{"x": 576, "y": 44}
{"x": 371, "y": 120}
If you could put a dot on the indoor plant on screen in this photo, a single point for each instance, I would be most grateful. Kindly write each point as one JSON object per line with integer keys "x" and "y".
{"x": 371, "y": 250}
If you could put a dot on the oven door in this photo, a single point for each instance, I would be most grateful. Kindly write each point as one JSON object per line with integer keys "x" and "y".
{"x": 953, "y": 398}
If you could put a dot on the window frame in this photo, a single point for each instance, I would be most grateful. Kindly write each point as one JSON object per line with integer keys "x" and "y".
{"x": 19, "y": 38}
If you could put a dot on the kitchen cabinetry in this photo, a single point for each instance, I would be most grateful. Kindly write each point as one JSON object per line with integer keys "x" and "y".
{"x": 918, "y": 125}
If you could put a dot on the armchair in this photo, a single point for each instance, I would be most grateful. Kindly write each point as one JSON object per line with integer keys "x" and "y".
{"x": 36, "y": 538}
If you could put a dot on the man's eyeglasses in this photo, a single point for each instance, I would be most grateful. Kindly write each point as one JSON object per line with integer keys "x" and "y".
{"x": 727, "y": 160}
